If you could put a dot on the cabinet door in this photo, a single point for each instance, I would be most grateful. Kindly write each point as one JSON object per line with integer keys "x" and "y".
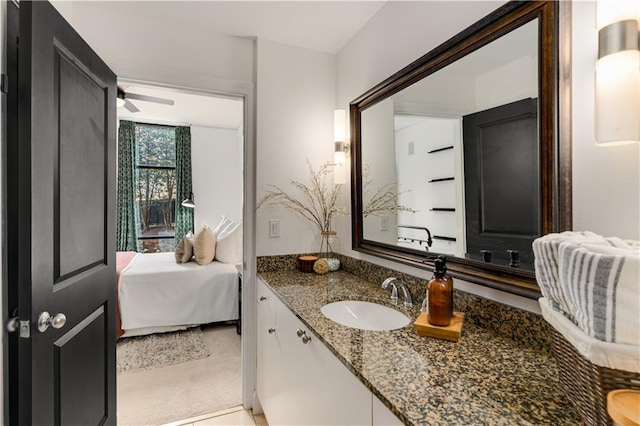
{"x": 325, "y": 392}
{"x": 269, "y": 352}
{"x": 382, "y": 415}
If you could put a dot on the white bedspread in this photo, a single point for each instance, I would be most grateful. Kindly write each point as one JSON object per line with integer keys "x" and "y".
{"x": 156, "y": 291}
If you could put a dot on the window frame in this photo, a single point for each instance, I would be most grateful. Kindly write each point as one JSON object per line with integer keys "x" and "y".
{"x": 149, "y": 167}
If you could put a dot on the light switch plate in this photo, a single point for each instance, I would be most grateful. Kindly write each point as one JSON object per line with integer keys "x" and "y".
{"x": 274, "y": 228}
{"x": 384, "y": 223}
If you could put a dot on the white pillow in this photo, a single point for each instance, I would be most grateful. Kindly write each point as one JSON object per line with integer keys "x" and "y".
{"x": 224, "y": 222}
{"x": 229, "y": 245}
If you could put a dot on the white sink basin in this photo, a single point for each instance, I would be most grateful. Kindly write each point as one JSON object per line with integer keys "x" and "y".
{"x": 364, "y": 315}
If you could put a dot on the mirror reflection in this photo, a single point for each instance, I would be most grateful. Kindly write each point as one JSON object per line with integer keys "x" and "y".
{"x": 460, "y": 150}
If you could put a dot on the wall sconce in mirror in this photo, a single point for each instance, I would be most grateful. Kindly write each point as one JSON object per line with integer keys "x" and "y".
{"x": 188, "y": 202}
{"x": 617, "y": 96}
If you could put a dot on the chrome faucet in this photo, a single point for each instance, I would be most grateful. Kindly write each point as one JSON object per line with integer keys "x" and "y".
{"x": 392, "y": 281}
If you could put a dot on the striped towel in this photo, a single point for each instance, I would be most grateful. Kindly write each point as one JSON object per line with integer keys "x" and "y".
{"x": 601, "y": 287}
{"x": 547, "y": 261}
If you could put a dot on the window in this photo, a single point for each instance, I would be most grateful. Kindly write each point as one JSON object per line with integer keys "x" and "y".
{"x": 155, "y": 187}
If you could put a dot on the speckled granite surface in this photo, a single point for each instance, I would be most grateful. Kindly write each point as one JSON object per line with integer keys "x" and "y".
{"x": 486, "y": 378}
{"x": 525, "y": 327}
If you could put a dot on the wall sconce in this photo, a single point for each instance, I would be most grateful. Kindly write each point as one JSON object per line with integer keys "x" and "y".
{"x": 188, "y": 202}
{"x": 340, "y": 147}
{"x": 617, "y": 102}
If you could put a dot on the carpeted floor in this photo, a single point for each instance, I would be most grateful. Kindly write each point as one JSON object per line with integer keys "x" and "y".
{"x": 160, "y": 350}
{"x": 188, "y": 389}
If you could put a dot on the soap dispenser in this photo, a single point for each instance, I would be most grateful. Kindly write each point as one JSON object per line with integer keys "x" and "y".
{"x": 439, "y": 296}
{"x": 449, "y": 280}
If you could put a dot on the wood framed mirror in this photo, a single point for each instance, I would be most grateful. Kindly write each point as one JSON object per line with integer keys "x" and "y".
{"x": 472, "y": 142}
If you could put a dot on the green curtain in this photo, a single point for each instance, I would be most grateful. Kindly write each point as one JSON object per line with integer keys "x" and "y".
{"x": 184, "y": 215}
{"x": 126, "y": 226}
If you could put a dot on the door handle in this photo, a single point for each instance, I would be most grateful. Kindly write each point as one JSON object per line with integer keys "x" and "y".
{"x": 45, "y": 320}
{"x": 12, "y": 325}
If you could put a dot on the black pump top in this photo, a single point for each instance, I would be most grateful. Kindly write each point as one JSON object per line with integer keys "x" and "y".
{"x": 441, "y": 268}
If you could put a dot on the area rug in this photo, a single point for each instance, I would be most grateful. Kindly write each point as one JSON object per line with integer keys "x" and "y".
{"x": 160, "y": 350}
{"x": 189, "y": 389}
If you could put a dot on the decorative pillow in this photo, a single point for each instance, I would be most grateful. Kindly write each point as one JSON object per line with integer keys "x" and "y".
{"x": 229, "y": 245}
{"x": 204, "y": 246}
{"x": 184, "y": 249}
{"x": 224, "y": 222}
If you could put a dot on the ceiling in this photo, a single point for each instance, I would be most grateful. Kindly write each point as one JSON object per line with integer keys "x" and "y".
{"x": 189, "y": 109}
{"x": 324, "y": 26}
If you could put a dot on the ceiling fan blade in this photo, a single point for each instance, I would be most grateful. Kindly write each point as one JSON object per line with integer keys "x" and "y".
{"x": 149, "y": 99}
{"x": 131, "y": 107}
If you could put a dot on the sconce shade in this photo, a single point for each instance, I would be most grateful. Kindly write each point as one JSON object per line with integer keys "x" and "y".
{"x": 188, "y": 202}
{"x": 339, "y": 146}
{"x": 339, "y": 156}
{"x": 617, "y": 88}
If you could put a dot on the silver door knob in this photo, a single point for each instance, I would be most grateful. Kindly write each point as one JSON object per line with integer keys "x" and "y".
{"x": 271, "y": 330}
{"x": 263, "y": 298}
{"x": 300, "y": 332}
{"x": 306, "y": 339}
{"x": 45, "y": 320}
{"x": 13, "y": 324}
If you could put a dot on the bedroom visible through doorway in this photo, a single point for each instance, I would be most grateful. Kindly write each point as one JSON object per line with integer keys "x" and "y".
{"x": 166, "y": 375}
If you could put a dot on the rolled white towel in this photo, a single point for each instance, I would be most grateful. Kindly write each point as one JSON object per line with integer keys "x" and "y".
{"x": 601, "y": 287}
{"x": 546, "y": 263}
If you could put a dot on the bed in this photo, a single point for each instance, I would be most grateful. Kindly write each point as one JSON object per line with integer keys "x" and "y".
{"x": 155, "y": 294}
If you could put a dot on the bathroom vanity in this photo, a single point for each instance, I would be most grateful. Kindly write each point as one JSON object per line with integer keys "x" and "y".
{"x": 312, "y": 370}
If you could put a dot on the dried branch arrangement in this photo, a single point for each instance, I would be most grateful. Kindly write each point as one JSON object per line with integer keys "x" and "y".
{"x": 316, "y": 202}
{"x": 384, "y": 200}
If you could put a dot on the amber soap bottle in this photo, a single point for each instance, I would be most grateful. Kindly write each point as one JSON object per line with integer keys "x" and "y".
{"x": 440, "y": 296}
{"x": 450, "y": 280}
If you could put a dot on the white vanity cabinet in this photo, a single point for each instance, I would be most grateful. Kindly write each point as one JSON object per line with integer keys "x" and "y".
{"x": 269, "y": 383}
{"x": 382, "y": 416}
{"x": 302, "y": 383}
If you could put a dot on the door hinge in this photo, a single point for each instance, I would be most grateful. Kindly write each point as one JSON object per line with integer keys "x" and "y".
{"x": 4, "y": 83}
{"x": 25, "y": 329}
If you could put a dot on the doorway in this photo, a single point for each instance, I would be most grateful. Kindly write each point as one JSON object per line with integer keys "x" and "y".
{"x": 204, "y": 373}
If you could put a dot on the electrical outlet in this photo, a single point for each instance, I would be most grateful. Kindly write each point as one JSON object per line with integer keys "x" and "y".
{"x": 274, "y": 228}
{"x": 384, "y": 223}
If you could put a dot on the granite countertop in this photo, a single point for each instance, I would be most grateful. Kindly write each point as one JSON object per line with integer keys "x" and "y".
{"x": 484, "y": 378}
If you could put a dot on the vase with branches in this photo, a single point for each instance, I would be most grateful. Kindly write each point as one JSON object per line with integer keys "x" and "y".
{"x": 385, "y": 199}
{"x": 316, "y": 201}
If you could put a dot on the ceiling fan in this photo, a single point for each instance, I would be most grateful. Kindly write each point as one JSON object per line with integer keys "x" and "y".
{"x": 123, "y": 99}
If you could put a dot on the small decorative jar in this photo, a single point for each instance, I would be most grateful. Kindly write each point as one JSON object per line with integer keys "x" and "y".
{"x": 329, "y": 248}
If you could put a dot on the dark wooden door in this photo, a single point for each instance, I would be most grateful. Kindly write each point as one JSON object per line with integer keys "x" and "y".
{"x": 62, "y": 226}
{"x": 501, "y": 175}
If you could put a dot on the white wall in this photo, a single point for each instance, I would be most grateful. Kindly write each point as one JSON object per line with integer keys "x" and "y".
{"x": 216, "y": 166}
{"x": 378, "y": 158}
{"x": 606, "y": 180}
{"x": 146, "y": 50}
{"x": 295, "y": 100}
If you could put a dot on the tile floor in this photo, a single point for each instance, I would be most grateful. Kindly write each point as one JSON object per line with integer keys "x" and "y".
{"x": 236, "y": 416}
